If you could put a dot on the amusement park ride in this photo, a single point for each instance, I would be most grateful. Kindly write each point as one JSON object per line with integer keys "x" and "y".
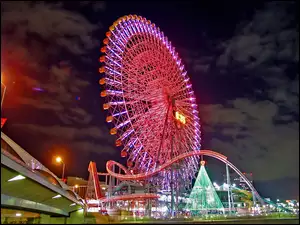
{"x": 153, "y": 112}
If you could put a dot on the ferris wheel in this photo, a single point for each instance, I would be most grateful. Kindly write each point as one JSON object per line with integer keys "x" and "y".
{"x": 150, "y": 101}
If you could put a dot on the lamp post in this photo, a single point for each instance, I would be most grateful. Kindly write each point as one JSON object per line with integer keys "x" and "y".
{"x": 2, "y": 94}
{"x": 59, "y": 160}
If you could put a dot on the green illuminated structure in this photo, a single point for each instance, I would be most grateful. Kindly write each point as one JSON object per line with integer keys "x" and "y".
{"x": 204, "y": 198}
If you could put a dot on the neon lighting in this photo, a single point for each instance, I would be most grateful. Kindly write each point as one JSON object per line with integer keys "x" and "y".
{"x": 113, "y": 92}
{"x": 120, "y": 113}
{"x": 110, "y": 49}
{"x": 113, "y": 61}
{"x": 113, "y": 71}
{"x": 132, "y": 142}
{"x": 73, "y": 204}
{"x": 132, "y": 111}
{"x": 116, "y": 103}
{"x": 203, "y": 197}
{"x": 136, "y": 151}
{"x": 123, "y": 124}
{"x": 19, "y": 177}
{"x": 126, "y": 134}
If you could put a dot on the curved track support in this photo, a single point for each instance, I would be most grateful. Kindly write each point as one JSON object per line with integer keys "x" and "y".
{"x": 143, "y": 176}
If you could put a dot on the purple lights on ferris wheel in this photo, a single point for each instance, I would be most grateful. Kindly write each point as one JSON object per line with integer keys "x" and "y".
{"x": 126, "y": 134}
{"x": 113, "y": 92}
{"x": 120, "y": 113}
{"x": 112, "y": 71}
{"x": 117, "y": 103}
{"x": 132, "y": 100}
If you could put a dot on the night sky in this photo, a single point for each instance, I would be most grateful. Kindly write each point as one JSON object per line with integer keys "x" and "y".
{"x": 242, "y": 60}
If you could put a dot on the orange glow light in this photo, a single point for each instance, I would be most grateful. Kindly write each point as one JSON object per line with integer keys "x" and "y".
{"x": 109, "y": 119}
{"x": 113, "y": 131}
{"x": 180, "y": 117}
{"x": 106, "y": 106}
{"x": 58, "y": 159}
{"x": 102, "y": 81}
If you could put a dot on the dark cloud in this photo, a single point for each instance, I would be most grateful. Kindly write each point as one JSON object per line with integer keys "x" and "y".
{"x": 259, "y": 134}
{"x": 96, "y": 5}
{"x": 39, "y": 41}
{"x": 75, "y": 138}
{"x": 88, "y": 147}
{"x": 49, "y": 22}
{"x": 271, "y": 35}
{"x": 66, "y": 132}
{"x": 254, "y": 137}
{"x": 67, "y": 32}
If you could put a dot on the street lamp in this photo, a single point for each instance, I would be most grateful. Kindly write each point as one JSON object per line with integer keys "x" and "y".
{"x": 59, "y": 160}
{"x": 2, "y": 93}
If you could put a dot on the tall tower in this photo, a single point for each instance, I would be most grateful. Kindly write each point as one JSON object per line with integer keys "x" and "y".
{"x": 203, "y": 198}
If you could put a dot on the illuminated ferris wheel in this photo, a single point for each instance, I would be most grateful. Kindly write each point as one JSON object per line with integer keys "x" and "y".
{"x": 150, "y": 100}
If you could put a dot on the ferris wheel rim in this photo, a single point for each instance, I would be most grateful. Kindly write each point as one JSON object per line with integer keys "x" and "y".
{"x": 183, "y": 72}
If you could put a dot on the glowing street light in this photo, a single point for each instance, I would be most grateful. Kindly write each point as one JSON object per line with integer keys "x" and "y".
{"x": 59, "y": 160}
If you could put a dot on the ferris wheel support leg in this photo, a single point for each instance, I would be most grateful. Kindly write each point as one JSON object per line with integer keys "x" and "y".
{"x": 163, "y": 134}
{"x": 177, "y": 197}
{"x": 229, "y": 187}
{"x": 172, "y": 181}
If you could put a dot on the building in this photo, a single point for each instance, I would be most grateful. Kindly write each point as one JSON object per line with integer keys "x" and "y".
{"x": 79, "y": 185}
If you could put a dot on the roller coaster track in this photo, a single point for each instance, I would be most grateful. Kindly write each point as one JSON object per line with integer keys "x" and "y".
{"x": 129, "y": 197}
{"x": 143, "y": 176}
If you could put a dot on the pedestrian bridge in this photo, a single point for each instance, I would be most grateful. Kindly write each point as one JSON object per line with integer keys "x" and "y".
{"x": 28, "y": 185}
